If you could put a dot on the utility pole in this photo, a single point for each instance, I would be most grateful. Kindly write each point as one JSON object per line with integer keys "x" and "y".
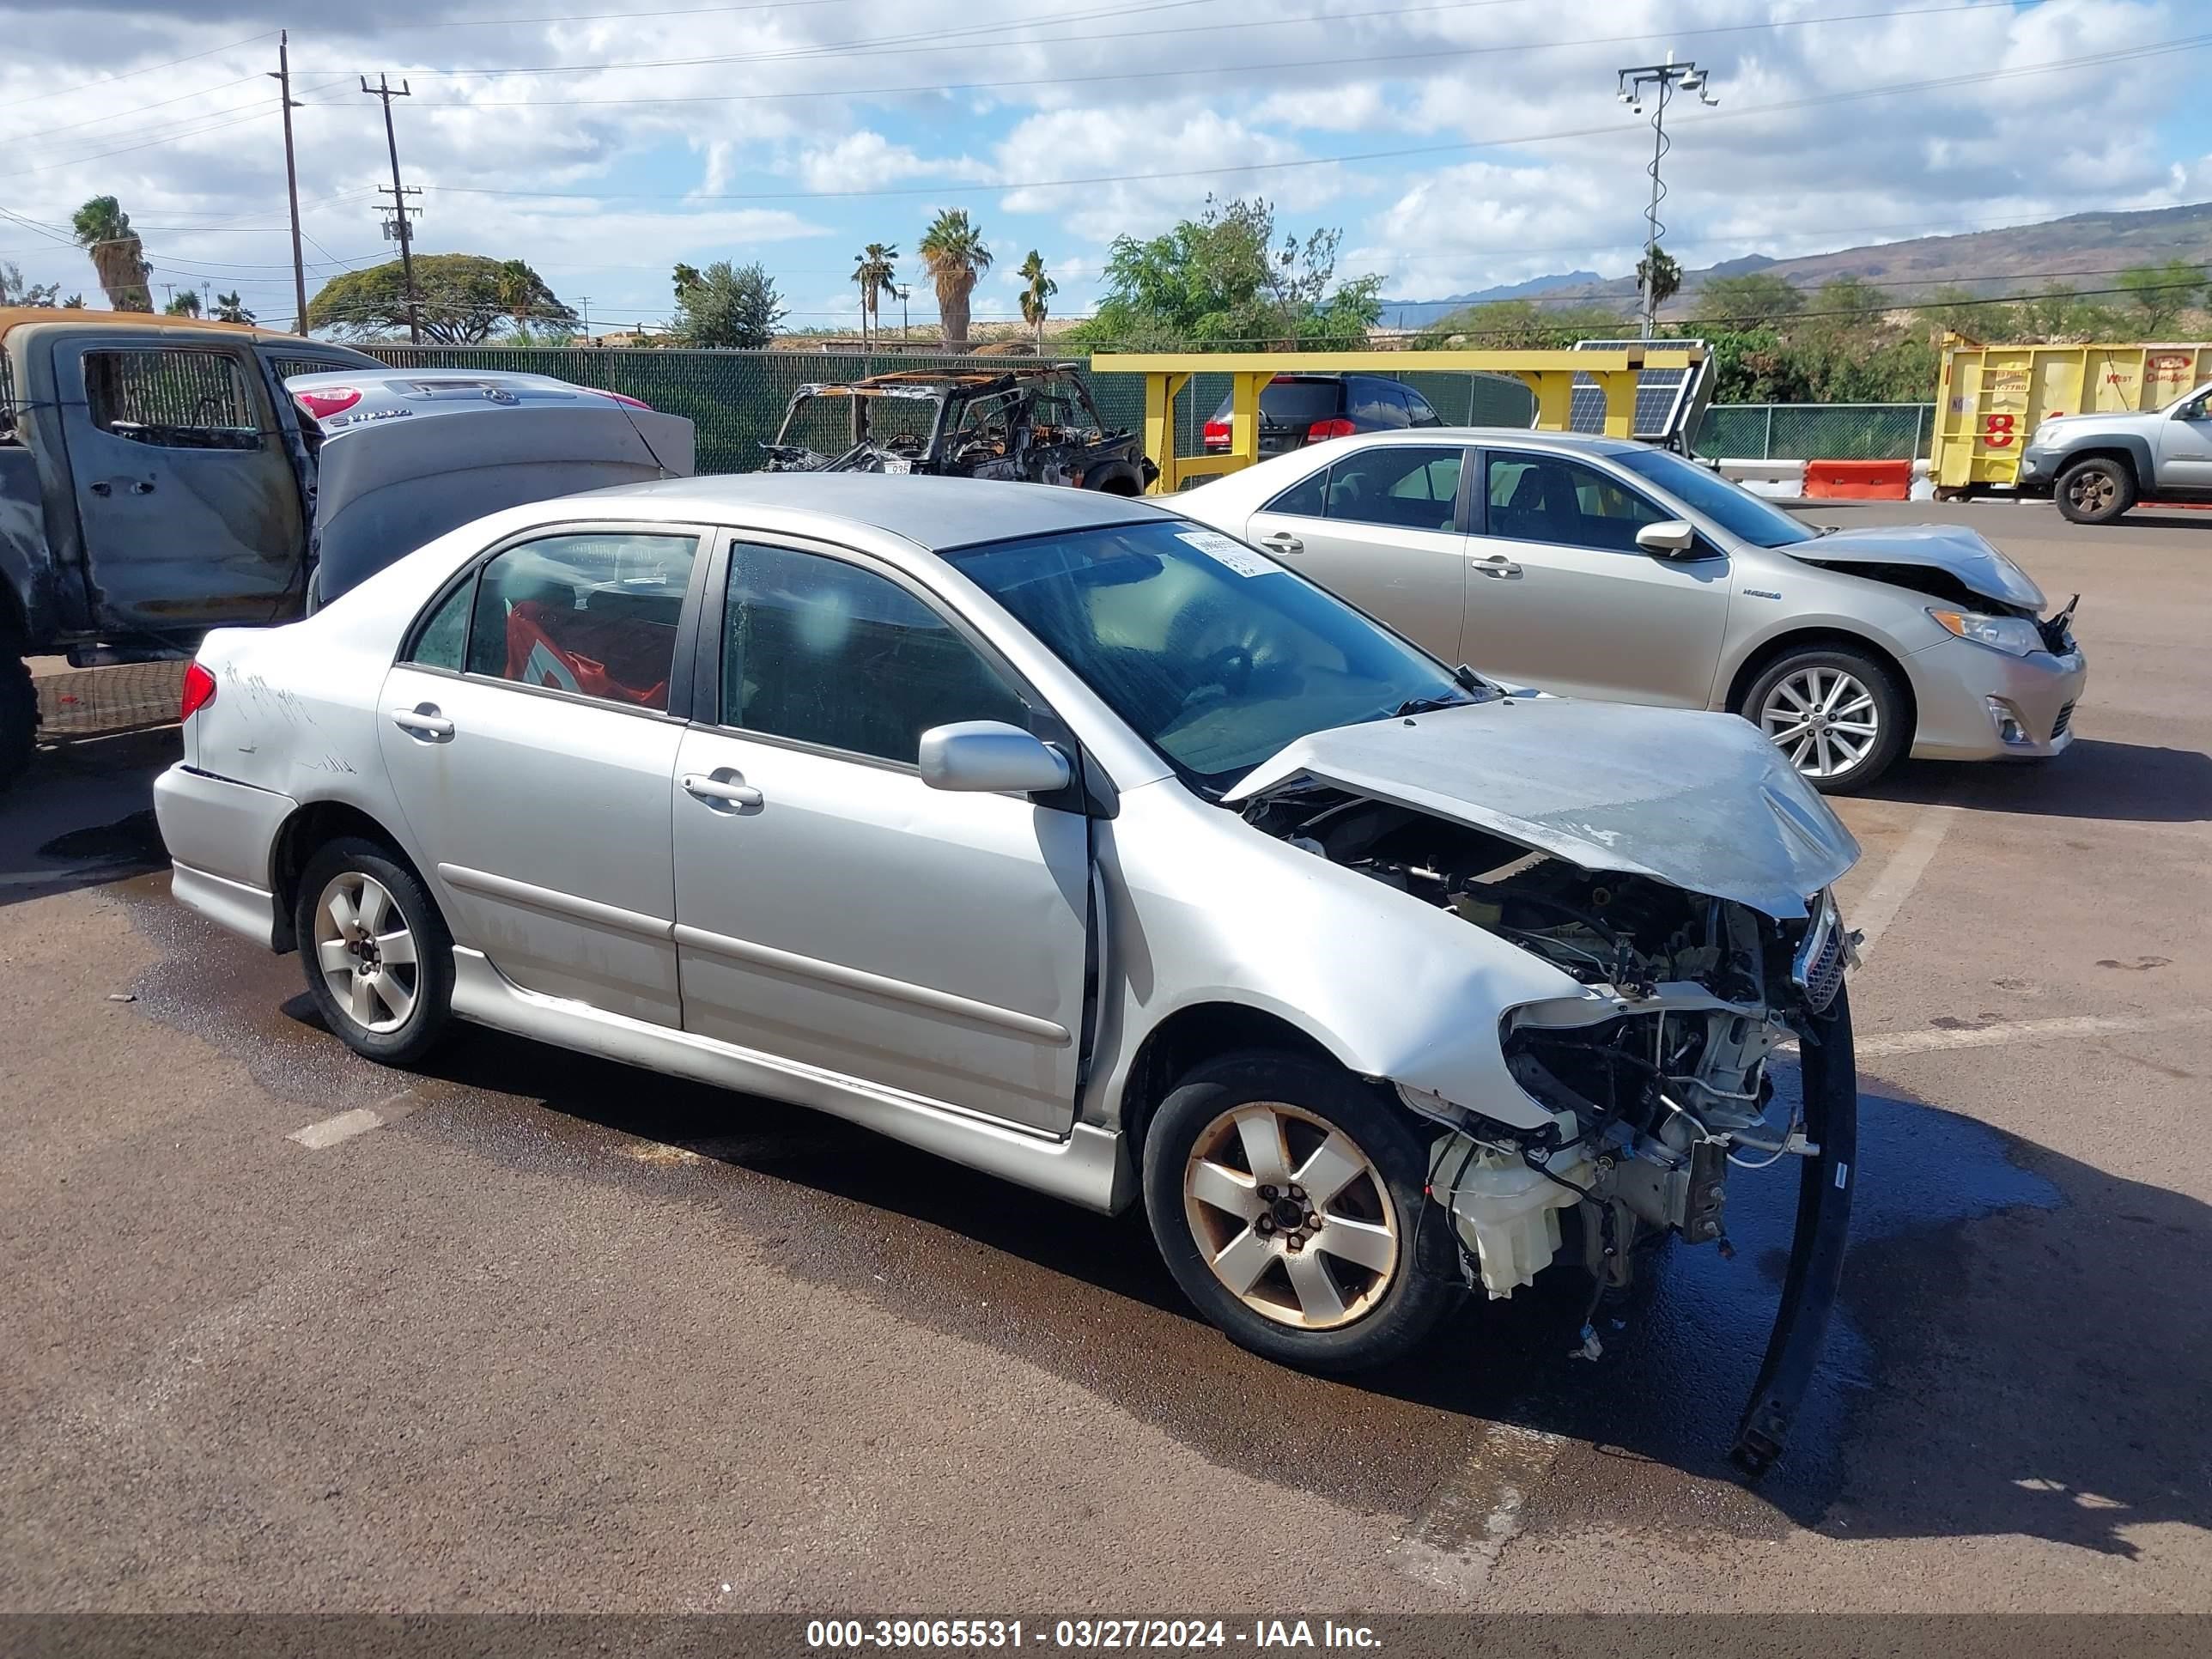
{"x": 904, "y": 289}
{"x": 283, "y": 79}
{"x": 399, "y": 194}
{"x": 1660, "y": 82}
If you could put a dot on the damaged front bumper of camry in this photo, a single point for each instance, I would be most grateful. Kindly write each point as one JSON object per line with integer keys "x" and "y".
{"x": 1692, "y": 911}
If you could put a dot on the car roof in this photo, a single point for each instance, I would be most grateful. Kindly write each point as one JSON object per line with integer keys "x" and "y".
{"x": 1520, "y": 437}
{"x": 935, "y": 514}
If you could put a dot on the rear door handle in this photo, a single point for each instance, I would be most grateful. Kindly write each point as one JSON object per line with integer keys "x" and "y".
{"x": 1283, "y": 542}
{"x": 723, "y": 789}
{"x": 423, "y": 721}
{"x": 1497, "y": 565}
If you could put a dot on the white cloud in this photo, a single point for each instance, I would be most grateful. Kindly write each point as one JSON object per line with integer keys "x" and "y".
{"x": 863, "y": 160}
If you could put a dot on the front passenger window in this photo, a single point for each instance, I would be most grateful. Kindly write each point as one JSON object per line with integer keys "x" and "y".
{"x": 1549, "y": 498}
{"x": 593, "y": 614}
{"x": 827, "y": 653}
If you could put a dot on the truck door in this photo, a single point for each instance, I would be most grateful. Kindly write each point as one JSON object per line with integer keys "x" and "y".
{"x": 186, "y": 496}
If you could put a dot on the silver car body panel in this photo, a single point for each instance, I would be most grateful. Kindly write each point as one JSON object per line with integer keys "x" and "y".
{"x": 1699, "y": 801}
{"x": 1195, "y": 910}
{"x": 1553, "y": 617}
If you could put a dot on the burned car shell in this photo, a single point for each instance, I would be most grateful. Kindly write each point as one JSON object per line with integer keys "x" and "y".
{"x": 1024, "y": 446}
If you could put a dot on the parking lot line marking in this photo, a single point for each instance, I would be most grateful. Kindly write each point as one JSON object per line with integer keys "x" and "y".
{"x": 344, "y": 1126}
{"x": 1935, "y": 1038}
{"x": 1875, "y": 912}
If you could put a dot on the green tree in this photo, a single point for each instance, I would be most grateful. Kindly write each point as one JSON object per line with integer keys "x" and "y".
{"x": 14, "y": 291}
{"x": 955, "y": 255}
{"x": 187, "y": 303}
{"x": 1663, "y": 272}
{"x": 1747, "y": 299}
{"x": 1978, "y": 318}
{"x": 463, "y": 299}
{"x": 2156, "y": 296}
{"x": 728, "y": 305}
{"x": 1523, "y": 325}
{"x": 118, "y": 257}
{"x": 1037, "y": 290}
{"x": 231, "y": 308}
{"x": 875, "y": 272}
{"x": 1222, "y": 282}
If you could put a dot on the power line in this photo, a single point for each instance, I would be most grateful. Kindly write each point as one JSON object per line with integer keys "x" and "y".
{"x": 110, "y": 80}
{"x": 2186, "y": 43}
{"x": 128, "y": 114}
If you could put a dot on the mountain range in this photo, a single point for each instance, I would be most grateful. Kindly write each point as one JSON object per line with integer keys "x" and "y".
{"x": 2085, "y": 251}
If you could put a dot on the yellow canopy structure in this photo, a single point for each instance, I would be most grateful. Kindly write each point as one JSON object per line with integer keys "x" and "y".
{"x": 1549, "y": 374}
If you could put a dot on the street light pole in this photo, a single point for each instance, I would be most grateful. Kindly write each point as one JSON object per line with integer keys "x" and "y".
{"x": 1659, "y": 82}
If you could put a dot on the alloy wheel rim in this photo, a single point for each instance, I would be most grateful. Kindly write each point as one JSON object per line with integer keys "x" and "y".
{"x": 2092, "y": 491}
{"x": 366, "y": 952}
{"x": 1291, "y": 1216}
{"x": 1825, "y": 720}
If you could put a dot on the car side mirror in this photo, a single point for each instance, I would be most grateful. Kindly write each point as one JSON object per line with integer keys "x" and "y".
{"x": 990, "y": 758}
{"x": 1670, "y": 539}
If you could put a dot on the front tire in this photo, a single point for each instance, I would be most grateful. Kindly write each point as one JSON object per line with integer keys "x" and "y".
{"x": 2095, "y": 491}
{"x": 379, "y": 960}
{"x": 1341, "y": 1269}
{"x": 1838, "y": 716}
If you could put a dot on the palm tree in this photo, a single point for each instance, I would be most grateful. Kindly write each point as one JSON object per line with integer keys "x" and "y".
{"x": 187, "y": 303}
{"x": 103, "y": 230}
{"x": 516, "y": 286}
{"x": 874, "y": 270}
{"x": 952, "y": 248}
{"x": 1037, "y": 295}
{"x": 231, "y": 308}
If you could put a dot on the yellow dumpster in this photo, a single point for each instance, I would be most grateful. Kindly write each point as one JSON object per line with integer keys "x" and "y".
{"x": 1990, "y": 399}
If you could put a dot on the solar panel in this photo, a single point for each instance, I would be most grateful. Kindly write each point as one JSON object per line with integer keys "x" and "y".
{"x": 1665, "y": 397}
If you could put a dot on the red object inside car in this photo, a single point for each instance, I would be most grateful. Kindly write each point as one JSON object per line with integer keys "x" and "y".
{"x": 1339, "y": 428}
{"x": 328, "y": 401}
{"x": 199, "y": 692}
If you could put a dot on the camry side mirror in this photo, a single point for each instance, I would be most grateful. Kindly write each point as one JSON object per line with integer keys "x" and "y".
{"x": 1669, "y": 539}
{"x": 990, "y": 758}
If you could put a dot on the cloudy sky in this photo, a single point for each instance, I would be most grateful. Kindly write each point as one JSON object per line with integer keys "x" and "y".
{"x": 1459, "y": 144}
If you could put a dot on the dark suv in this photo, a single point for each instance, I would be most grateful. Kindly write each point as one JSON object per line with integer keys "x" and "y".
{"x": 1297, "y": 410}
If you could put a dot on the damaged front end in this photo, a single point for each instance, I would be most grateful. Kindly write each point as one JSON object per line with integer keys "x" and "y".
{"x": 1654, "y": 1078}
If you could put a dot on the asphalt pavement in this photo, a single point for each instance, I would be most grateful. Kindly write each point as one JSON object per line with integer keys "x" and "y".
{"x": 530, "y": 1331}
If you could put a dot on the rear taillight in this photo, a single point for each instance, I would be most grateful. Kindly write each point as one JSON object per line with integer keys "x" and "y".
{"x": 630, "y": 403}
{"x": 199, "y": 692}
{"x": 1339, "y": 428}
{"x": 327, "y": 401}
{"x": 1217, "y": 435}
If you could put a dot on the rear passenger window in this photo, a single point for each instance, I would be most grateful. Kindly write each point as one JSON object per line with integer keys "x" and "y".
{"x": 172, "y": 398}
{"x": 592, "y": 614}
{"x": 444, "y": 640}
{"x": 1405, "y": 486}
{"x": 1308, "y": 498}
{"x": 826, "y": 653}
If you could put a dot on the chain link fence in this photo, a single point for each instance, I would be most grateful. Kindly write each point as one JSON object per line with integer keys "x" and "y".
{"x": 736, "y": 399}
{"x": 1817, "y": 432}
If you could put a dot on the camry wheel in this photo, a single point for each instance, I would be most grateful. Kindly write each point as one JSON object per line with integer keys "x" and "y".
{"x": 1286, "y": 1198}
{"x": 377, "y": 958}
{"x": 1837, "y": 715}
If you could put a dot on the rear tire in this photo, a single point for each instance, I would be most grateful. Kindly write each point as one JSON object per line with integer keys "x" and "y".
{"x": 19, "y": 715}
{"x": 1368, "y": 1284}
{"x": 2095, "y": 491}
{"x": 378, "y": 959}
{"x": 1815, "y": 704}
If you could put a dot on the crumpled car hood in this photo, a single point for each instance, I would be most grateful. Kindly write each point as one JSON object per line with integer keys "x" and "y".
{"x": 1701, "y": 801}
{"x": 1966, "y": 554}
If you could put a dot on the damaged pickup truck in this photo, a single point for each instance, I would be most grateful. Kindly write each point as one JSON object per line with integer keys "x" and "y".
{"x": 1029, "y": 425}
{"x": 1057, "y": 835}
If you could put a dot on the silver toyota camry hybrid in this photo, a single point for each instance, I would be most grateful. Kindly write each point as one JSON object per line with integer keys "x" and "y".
{"x": 1597, "y": 568}
{"x": 1057, "y": 835}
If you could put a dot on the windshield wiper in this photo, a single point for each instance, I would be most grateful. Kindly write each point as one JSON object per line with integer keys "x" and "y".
{"x": 1430, "y": 705}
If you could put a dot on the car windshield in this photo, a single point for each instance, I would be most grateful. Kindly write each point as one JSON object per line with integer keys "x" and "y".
{"x": 1211, "y": 652}
{"x": 1703, "y": 491}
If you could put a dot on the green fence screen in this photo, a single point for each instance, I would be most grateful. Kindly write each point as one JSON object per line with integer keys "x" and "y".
{"x": 1816, "y": 432}
{"x": 737, "y": 399}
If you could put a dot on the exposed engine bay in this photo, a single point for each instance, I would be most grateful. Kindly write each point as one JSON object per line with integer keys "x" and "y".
{"x": 1652, "y": 1105}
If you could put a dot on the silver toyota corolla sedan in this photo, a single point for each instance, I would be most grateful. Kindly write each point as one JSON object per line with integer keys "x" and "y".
{"x": 1057, "y": 835}
{"x": 1596, "y": 567}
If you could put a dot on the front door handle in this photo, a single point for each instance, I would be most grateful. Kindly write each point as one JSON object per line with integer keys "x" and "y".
{"x": 1497, "y": 565}
{"x": 423, "y": 721}
{"x": 1283, "y": 542}
{"x": 723, "y": 788}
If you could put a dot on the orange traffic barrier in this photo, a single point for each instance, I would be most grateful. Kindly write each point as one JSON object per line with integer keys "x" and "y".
{"x": 1858, "y": 481}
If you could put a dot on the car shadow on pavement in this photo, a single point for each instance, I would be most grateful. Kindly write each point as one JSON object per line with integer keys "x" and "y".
{"x": 2018, "y": 1348}
{"x": 2094, "y": 778}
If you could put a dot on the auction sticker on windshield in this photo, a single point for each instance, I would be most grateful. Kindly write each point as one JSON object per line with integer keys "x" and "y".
{"x": 1234, "y": 553}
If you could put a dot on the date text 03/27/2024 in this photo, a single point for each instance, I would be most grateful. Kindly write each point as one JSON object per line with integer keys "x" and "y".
{"x": 1085, "y": 1635}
